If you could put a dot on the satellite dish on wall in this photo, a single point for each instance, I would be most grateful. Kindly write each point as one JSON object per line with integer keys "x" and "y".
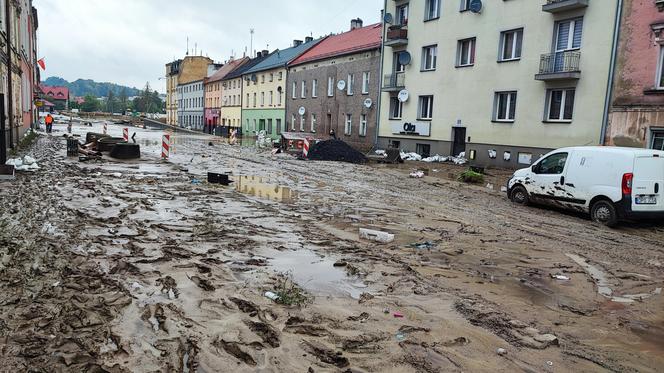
{"x": 368, "y": 103}
{"x": 341, "y": 85}
{"x": 475, "y": 6}
{"x": 403, "y": 95}
{"x": 302, "y": 110}
{"x": 279, "y": 89}
{"x": 388, "y": 18}
{"x": 405, "y": 58}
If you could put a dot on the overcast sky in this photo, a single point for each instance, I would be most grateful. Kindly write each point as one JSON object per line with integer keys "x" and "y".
{"x": 129, "y": 41}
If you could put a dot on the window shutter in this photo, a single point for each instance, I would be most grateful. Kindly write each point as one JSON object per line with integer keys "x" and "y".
{"x": 578, "y": 30}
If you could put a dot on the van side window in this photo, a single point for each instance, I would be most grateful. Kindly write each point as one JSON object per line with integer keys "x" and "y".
{"x": 553, "y": 164}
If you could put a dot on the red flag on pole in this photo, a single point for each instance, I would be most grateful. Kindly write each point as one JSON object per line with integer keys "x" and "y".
{"x": 42, "y": 64}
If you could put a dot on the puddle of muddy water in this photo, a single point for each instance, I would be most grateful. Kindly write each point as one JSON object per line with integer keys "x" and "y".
{"x": 257, "y": 186}
{"x": 314, "y": 273}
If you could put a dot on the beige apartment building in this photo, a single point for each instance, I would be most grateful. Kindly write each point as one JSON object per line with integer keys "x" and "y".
{"x": 180, "y": 73}
{"x": 172, "y": 72}
{"x": 502, "y": 81}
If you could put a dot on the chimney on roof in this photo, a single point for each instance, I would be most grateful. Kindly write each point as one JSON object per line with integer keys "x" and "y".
{"x": 355, "y": 23}
{"x": 308, "y": 39}
{"x": 297, "y": 43}
{"x": 259, "y": 54}
{"x": 265, "y": 52}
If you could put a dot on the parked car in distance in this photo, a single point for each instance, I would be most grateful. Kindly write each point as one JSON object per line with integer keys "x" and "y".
{"x": 612, "y": 184}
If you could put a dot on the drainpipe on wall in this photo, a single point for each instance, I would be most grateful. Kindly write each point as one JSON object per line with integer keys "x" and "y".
{"x": 9, "y": 95}
{"x": 612, "y": 73}
{"x": 380, "y": 74}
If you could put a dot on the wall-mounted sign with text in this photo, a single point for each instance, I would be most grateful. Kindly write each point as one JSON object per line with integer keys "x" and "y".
{"x": 412, "y": 128}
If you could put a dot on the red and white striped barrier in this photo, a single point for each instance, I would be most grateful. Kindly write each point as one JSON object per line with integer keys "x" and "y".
{"x": 233, "y": 138}
{"x": 165, "y": 146}
{"x": 125, "y": 134}
{"x": 305, "y": 148}
{"x": 105, "y": 128}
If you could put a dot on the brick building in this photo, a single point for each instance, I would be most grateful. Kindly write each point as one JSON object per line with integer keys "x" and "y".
{"x": 335, "y": 86}
{"x": 637, "y": 110}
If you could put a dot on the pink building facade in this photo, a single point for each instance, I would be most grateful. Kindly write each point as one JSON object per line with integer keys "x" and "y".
{"x": 636, "y": 118}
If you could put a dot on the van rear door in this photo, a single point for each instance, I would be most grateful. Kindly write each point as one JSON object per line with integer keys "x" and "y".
{"x": 648, "y": 182}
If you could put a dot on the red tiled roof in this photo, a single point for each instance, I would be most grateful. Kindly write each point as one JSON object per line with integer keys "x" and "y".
{"x": 227, "y": 69}
{"x": 56, "y": 93}
{"x": 357, "y": 40}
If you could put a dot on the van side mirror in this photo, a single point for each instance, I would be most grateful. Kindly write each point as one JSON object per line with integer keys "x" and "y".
{"x": 535, "y": 168}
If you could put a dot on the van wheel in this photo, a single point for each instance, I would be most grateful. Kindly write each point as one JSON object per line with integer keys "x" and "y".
{"x": 604, "y": 212}
{"x": 519, "y": 195}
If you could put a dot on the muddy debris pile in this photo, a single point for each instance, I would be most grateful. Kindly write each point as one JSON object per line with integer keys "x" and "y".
{"x": 337, "y": 151}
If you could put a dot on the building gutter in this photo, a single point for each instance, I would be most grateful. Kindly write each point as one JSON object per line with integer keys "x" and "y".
{"x": 612, "y": 73}
{"x": 380, "y": 73}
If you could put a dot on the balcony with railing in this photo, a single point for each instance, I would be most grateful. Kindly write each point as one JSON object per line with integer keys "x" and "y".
{"x": 394, "y": 82}
{"x": 397, "y": 36}
{"x": 559, "y": 66}
{"x": 559, "y": 6}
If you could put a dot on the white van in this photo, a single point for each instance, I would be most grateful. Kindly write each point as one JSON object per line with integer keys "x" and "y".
{"x": 610, "y": 183}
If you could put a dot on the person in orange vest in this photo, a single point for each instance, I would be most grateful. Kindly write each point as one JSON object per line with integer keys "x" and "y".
{"x": 49, "y": 123}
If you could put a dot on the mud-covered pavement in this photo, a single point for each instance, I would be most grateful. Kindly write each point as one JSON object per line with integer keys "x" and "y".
{"x": 139, "y": 267}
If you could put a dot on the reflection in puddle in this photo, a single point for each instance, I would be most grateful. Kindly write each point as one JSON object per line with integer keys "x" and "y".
{"x": 257, "y": 187}
{"x": 314, "y": 273}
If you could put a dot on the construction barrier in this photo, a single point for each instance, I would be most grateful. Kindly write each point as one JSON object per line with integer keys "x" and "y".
{"x": 233, "y": 138}
{"x": 105, "y": 128}
{"x": 165, "y": 146}
{"x": 125, "y": 134}
{"x": 305, "y": 148}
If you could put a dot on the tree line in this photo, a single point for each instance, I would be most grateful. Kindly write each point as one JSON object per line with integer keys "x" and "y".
{"x": 147, "y": 101}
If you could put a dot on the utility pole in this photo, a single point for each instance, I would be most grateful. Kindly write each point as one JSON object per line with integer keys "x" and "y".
{"x": 251, "y": 43}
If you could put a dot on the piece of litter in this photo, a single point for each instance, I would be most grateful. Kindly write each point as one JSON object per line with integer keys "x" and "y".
{"x": 489, "y": 186}
{"x": 549, "y": 363}
{"x": 560, "y": 277}
{"x": 501, "y": 351}
{"x": 398, "y": 315}
{"x": 116, "y": 174}
{"x": 271, "y": 295}
{"x": 373, "y": 235}
{"x": 503, "y": 189}
{"x": 386, "y": 310}
{"x": 417, "y": 174}
{"x": 400, "y": 336}
{"x": 55, "y": 284}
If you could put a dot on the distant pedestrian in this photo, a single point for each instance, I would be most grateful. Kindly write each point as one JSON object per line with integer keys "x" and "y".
{"x": 69, "y": 125}
{"x": 49, "y": 123}
{"x": 333, "y": 134}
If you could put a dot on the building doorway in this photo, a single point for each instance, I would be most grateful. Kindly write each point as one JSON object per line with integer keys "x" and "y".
{"x": 458, "y": 140}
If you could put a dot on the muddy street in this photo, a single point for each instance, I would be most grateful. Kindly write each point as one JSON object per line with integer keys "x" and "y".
{"x": 143, "y": 266}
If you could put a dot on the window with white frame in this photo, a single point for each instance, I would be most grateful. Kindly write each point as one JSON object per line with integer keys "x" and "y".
{"x": 402, "y": 15}
{"x": 271, "y": 77}
{"x": 348, "y": 128}
{"x": 657, "y": 139}
{"x": 510, "y": 45}
{"x": 271, "y": 98}
{"x": 396, "y": 108}
{"x": 294, "y": 91}
{"x": 466, "y": 52}
{"x": 363, "y": 125}
{"x": 313, "y": 122}
{"x": 303, "y": 89}
{"x": 349, "y": 84}
{"x": 314, "y": 88}
{"x": 465, "y": 5}
{"x": 432, "y": 10}
{"x": 659, "y": 84}
{"x": 560, "y": 105}
{"x": 302, "y": 122}
{"x": 293, "y": 122}
{"x": 254, "y": 99}
{"x": 504, "y": 106}
{"x": 262, "y": 98}
{"x": 425, "y": 107}
{"x": 429, "y": 57}
{"x": 281, "y": 75}
{"x": 247, "y": 100}
{"x": 366, "y": 79}
{"x": 330, "y": 86}
{"x": 279, "y": 98}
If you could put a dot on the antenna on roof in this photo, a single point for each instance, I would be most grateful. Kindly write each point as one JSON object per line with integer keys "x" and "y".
{"x": 187, "y": 45}
{"x": 251, "y": 41}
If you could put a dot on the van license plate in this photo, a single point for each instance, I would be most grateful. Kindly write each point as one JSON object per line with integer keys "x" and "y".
{"x": 646, "y": 200}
